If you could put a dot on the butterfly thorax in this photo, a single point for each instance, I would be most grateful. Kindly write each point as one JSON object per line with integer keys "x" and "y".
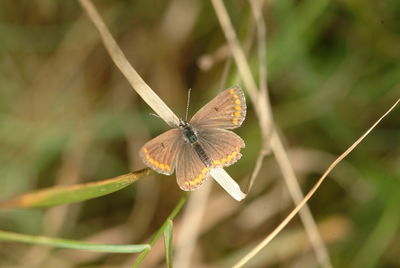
{"x": 190, "y": 136}
{"x": 188, "y": 132}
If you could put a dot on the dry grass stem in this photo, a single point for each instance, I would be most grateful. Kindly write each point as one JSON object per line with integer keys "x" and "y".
{"x": 264, "y": 103}
{"x": 73, "y": 75}
{"x": 297, "y": 196}
{"x": 263, "y": 110}
{"x": 226, "y": 182}
{"x": 137, "y": 83}
{"x": 147, "y": 94}
{"x": 256, "y": 170}
{"x": 242, "y": 64}
{"x": 282, "y": 225}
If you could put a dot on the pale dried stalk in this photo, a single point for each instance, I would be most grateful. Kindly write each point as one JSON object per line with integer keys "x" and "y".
{"x": 147, "y": 94}
{"x": 257, "y": 167}
{"x": 282, "y": 225}
{"x": 223, "y": 178}
{"x": 241, "y": 62}
{"x": 264, "y": 107}
{"x": 263, "y": 110}
{"x": 138, "y": 84}
{"x": 297, "y": 196}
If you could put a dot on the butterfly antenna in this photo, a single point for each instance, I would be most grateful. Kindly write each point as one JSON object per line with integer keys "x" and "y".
{"x": 187, "y": 104}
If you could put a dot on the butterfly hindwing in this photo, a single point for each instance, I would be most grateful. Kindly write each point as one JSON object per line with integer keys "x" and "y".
{"x": 161, "y": 152}
{"x": 191, "y": 172}
{"x": 227, "y": 110}
{"x": 222, "y": 146}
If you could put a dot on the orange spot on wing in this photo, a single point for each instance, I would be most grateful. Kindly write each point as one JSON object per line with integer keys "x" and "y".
{"x": 237, "y": 101}
{"x": 199, "y": 179}
{"x": 204, "y": 171}
{"x": 154, "y": 163}
{"x": 228, "y": 159}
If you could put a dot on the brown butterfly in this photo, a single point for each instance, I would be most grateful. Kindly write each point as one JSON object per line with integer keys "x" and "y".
{"x": 203, "y": 143}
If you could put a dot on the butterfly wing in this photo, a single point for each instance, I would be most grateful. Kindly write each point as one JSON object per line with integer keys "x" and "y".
{"x": 161, "y": 152}
{"x": 221, "y": 146}
{"x": 227, "y": 110}
{"x": 191, "y": 172}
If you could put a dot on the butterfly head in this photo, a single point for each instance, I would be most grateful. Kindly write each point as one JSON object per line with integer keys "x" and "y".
{"x": 182, "y": 123}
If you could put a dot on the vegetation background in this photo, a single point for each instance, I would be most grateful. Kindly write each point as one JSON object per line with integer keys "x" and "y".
{"x": 68, "y": 116}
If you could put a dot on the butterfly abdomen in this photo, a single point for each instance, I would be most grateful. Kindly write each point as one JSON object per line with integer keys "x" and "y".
{"x": 191, "y": 137}
{"x": 202, "y": 154}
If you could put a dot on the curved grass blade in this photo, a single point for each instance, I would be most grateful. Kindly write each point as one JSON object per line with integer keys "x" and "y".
{"x": 71, "y": 244}
{"x": 168, "y": 243}
{"x": 157, "y": 235}
{"x": 62, "y": 195}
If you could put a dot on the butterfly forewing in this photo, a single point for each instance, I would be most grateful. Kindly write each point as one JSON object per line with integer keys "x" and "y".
{"x": 191, "y": 172}
{"x": 227, "y": 110}
{"x": 161, "y": 152}
{"x": 222, "y": 146}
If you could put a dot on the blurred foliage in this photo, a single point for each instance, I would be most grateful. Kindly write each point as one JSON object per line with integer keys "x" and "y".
{"x": 68, "y": 116}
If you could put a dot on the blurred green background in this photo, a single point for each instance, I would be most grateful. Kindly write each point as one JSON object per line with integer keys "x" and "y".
{"x": 67, "y": 115}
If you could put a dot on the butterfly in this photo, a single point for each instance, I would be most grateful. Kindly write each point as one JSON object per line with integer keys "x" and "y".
{"x": 193, "y": 148}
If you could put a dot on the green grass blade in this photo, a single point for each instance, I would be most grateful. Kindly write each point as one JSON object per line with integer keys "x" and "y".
{"x": 168, "y": 243}
{"x": 157, "y": 235}
{"x": 71, "y": 244}
{"x": 62, "y": 195}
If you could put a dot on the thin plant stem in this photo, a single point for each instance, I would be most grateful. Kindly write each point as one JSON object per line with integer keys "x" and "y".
{"x": 263, "y": 110}
{"x": 144, "y": 90}
{"x": 70, "y": 244}
{"x": 137, "y": 83}
{"x": 160, "y": 231}
{"x": 293, "y": 213}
